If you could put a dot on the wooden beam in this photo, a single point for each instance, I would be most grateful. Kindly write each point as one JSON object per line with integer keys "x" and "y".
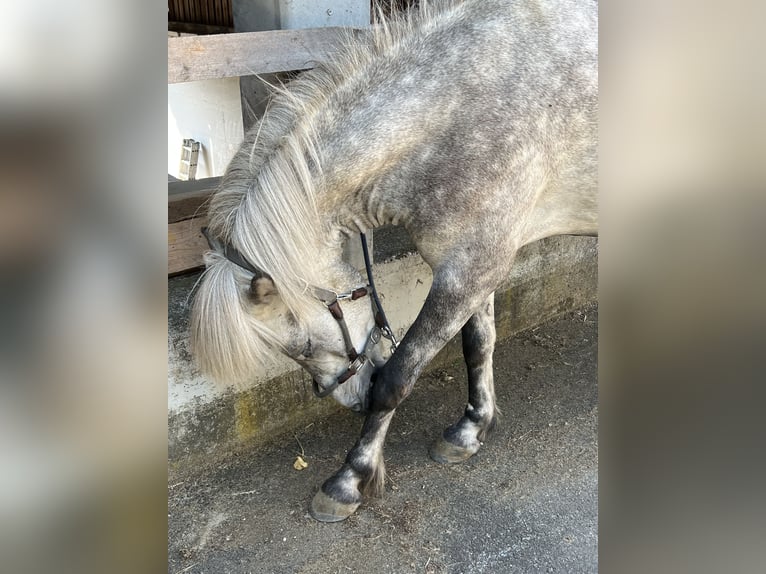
{"x": 187, "y": 208}
{"x": 186, "y": 244}
{"x": 181, "y": 189}
{"x": 186, "y": 199}
{"x": 193, "y": 58}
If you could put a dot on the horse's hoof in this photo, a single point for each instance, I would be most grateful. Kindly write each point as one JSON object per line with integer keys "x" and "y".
{"x": 325, "y": 509}
{"x": 445, "y": 452}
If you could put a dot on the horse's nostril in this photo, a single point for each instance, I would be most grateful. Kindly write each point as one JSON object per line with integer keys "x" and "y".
{"x": 357, "y": 407}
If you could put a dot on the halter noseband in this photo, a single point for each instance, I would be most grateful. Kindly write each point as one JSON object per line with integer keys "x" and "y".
{"x": 381, "y": 329}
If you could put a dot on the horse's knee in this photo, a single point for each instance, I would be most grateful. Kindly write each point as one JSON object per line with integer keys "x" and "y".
{"x": 388, "y": 391}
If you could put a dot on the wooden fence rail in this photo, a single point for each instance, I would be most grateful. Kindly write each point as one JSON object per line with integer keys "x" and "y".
{"x": 193, "y": 58}
{"x": 186, "y": 217}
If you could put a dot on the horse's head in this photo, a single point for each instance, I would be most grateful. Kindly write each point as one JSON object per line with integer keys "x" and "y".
{"x": 337, "y": 342}
{"x": 239, "y": 316}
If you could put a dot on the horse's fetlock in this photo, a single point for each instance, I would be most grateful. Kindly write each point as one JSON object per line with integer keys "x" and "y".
{"x": 342, "y": 493}
{"x": 459, "y": 435}
{"x": 343, "y": 486}
{"x": 374, "y": 483}
{"x": 361, "y": 464}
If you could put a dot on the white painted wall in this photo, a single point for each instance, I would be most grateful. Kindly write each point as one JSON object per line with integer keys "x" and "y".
{"x": 208, "y": 111}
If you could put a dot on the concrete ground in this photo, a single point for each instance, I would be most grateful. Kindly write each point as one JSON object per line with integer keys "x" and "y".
{"x": 527, "y": 502}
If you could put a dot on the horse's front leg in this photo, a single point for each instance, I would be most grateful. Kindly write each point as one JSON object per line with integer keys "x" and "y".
{"x": 363, "y": 473}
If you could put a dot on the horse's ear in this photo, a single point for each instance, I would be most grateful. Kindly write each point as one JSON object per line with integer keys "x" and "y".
{"x": 262, "y": 289}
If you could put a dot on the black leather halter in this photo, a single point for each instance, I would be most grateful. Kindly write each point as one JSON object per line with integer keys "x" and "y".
{"x": 381, "y": 329}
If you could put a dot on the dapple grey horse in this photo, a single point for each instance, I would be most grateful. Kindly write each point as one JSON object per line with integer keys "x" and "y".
{"x": 472, "y": 124}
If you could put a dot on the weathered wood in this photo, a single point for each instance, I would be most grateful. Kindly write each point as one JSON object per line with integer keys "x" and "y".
{"x": 193, "y": 58}
{"x": 187, "y": 208}
{"x": 186, "y": 244}
{"x": 186, "y": 199}
{"x": 180, "y": 189}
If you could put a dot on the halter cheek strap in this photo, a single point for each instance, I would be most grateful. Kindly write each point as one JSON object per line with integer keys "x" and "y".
{"x": 331, "y": 299}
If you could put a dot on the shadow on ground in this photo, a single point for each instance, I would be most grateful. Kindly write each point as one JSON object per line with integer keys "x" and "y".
{"x": 527, "y": 502}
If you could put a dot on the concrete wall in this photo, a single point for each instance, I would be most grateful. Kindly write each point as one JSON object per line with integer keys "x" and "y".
{"x": 550, "y": 277}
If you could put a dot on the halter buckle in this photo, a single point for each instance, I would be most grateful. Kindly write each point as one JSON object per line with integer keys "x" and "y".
{"x": 357, "y": 363}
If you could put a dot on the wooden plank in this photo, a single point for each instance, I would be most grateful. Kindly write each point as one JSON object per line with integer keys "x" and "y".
{"x": 187, "y": 208}
{"x": 186, "y": 244}
{"x": 192, "y": 58}
{"x": 186, "y": 199}
{"x": 180, "y": 189}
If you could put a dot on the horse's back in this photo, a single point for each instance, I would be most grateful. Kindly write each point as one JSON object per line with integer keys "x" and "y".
{"x": 508, "y": 128}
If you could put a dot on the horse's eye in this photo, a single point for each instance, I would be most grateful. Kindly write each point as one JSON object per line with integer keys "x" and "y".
{"x": 307, "y": 351}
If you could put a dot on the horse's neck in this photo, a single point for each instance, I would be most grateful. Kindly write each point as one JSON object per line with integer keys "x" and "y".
{"x": 366, "y": 146}
{"x": 359, "y": 166}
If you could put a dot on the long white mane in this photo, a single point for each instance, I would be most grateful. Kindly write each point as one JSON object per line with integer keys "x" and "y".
{"x": 267, "y": 205}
